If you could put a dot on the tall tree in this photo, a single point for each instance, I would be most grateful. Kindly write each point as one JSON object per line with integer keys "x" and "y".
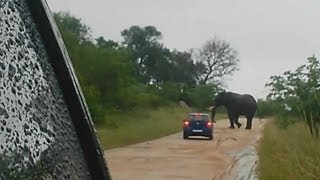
{"x": 104, "y": 71}
{"x": 142, "y": 42}
{"x": 71, "y": 24}
{"x": 218, "y": 59}
{"x": 100, "y": 42}
{"x": 186, "y": 72}
{"x": 158, "y": 66}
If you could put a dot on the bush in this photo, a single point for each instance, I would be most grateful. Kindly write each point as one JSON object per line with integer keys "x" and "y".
{"x": 267, "y": 108}
{"x": 170, "y": 91}
{"x": 271, "y": 108}
{"x": 202, "y": 96}
{"x": 284, "y": 121}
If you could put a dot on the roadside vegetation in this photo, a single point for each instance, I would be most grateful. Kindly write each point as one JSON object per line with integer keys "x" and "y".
{"x": 290, "y": 148}
{"x": 139, "y": 126}
{"x": 134, "y": 88}
{"x": 291, "y": 153}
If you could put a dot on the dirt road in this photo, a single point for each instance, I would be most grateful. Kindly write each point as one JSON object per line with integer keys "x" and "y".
{"x": 172, "y": 158}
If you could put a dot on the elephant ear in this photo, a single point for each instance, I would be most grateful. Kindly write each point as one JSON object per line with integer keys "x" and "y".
{"x": 220, "y": 92}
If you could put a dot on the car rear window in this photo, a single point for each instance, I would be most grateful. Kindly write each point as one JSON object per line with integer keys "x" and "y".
{"x": 198, "y": 117}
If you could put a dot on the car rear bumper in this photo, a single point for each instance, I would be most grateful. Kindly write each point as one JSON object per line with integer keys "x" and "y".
{"x": 205, "y": 132}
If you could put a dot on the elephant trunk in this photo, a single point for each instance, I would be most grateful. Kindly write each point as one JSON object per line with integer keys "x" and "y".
{"x": 213, "y": 112}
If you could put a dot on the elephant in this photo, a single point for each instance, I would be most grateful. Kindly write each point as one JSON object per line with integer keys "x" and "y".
{"x": 236, "y": 105}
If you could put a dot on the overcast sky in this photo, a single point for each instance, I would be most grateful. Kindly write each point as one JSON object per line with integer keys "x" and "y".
{"x": 271, "y": 36}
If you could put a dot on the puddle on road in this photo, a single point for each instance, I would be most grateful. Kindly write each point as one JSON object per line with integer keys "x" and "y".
{"x": 245, "y": 163}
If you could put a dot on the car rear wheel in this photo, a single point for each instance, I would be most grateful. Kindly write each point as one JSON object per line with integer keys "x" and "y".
{"x": 185, "y": 136}
{"x": 211, "y": 137}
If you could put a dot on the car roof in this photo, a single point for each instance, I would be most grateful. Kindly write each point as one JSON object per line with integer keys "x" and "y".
{"x": 201, "y": 114}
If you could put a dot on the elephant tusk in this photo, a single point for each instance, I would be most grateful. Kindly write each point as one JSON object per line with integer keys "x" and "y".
{"x": 210, "y": 108}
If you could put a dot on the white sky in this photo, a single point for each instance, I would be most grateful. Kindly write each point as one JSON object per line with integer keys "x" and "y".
{"x": 271, "y": 36}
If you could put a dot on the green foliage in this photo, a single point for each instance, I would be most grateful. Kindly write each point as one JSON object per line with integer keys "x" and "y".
{"x": 288, "y": 154}
{"x": 105, "y": 73}
{"x": 106, "y": 69}
{"x": 149, "y": 100}
{"x": 201, "y": 96}
{"x": 137, "y": 37}
{"x": 157, "y": 64}
{"x": 102, "y": 43}
{"x": 266, "y": 108}
{"x": 285, "y": 120}
{"x": 143, "y": 43}
{"x": 137, "y": 73}
{"x": 269, "y": 108}
{"x": 73, "y": 25}
{"x": 272, "y": 108}
{"x": 140, "y": 125}
{"x": 299, "y": 92}
{"x": 93, "y": 99}
{"x": 183, "y": 69}
{"x": 170, "y": 91}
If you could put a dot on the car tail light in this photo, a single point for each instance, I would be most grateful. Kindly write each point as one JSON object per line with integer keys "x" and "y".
{"x": 209, "y": 124}
{"x": 186, "y": 123}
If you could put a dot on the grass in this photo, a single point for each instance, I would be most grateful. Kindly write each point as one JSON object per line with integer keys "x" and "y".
{"x": 290, "y": 153}
{"x": 139, "y": 126}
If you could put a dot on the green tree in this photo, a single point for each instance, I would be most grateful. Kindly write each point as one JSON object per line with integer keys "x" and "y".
{"x": 157, "y": 64}
{"x": 185, "y": 72}
{"x": 269, "y": 108}
{"x": 158, "y": 68}
{"x": 299, "y": 91}
{"x": 68, "y": 23}
{"x": 170, "y": 91}
{"x": 105, "y": 72}
{"x": 106, "y": 69}
{"x": 102, "y": 43}
{"x": 142, "y": 42}
{"x": 201, "y": 96}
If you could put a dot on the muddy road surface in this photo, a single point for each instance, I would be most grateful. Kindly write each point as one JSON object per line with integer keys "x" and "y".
{"x": 230, "y": 155}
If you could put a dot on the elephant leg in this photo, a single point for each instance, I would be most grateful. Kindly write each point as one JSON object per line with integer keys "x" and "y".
{"x": 249, "y": 122}
{"x": 236, "y": 120}
{"x": 231, "y": 119}
{"x": 231, "y": 124}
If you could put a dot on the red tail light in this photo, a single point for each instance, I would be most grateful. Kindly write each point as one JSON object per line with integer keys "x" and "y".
{"x": 186, "y": 123}
{"x": 209, "y": 124}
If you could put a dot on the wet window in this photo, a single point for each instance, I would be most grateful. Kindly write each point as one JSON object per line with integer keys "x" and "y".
{"x": 199, "y": 117}
{"x": 37, "y": 136}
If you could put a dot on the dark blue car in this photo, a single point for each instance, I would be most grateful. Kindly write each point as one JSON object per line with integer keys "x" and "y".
{"x": 198, "y": 124}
